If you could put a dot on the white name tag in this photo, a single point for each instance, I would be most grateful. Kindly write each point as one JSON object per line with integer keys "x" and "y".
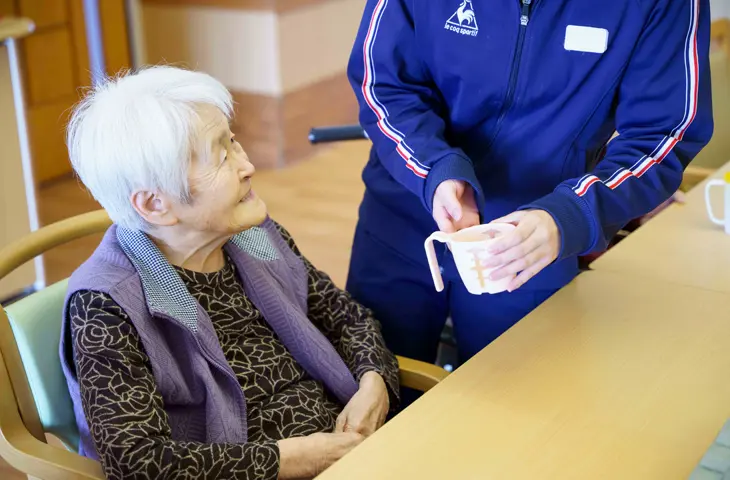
{"x": 586, "y": 39}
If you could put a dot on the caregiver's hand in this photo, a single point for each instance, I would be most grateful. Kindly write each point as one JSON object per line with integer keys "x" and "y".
{"x": 529, "y": 248}
{"x": 367, "y": 409}
{"x": 454, "y": 206}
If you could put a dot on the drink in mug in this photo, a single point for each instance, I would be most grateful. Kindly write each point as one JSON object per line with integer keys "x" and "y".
{"x": 470, "y": 250}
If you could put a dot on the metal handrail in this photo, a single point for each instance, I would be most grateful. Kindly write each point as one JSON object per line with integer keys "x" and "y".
{"x": 337, "y": 134}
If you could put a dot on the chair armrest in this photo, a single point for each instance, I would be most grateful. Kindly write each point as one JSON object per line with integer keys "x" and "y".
{"x": 28, "y": 454}
{"x": 30, "y": 246}
{"x": 419, "y": 375}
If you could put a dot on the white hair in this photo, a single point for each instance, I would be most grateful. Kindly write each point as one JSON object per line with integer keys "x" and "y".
{"x": 137, "y": 132}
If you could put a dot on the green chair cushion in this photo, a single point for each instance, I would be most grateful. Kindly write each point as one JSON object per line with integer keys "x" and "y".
{"x": 36, "y": 324}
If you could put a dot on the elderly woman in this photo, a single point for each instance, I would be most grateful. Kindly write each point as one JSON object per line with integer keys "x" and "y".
{"x": 198, "y": 342}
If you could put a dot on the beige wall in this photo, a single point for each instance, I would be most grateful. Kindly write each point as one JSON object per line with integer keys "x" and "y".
{"x": 719, "y": 9}
{"x": 14, "y": 219}
{"x": 254, "y": 51}
{"x": 238, "y": 47}
{"x": 315, "y": 41}
{"x": 284, "y": 62}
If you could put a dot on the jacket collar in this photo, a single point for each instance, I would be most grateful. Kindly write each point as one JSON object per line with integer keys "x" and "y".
{"x": 164, "y": 289}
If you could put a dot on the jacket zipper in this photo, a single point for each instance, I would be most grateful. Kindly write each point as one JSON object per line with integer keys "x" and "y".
{"x": 524, "y": 20}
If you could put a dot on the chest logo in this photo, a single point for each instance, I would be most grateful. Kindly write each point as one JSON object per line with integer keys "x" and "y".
{"x": 464, "y": 20}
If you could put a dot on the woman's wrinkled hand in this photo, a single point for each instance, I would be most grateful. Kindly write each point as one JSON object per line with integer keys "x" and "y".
{"x": 367, "y": 409}
{"x": 307, "y": 457}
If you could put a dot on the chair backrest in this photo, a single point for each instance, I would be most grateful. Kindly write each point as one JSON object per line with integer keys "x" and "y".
{"x": 34, "y": 398}
{"x": 36, "y": 324}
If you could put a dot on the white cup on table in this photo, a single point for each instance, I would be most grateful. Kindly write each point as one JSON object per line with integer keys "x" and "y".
{"x": 725, "y": 184}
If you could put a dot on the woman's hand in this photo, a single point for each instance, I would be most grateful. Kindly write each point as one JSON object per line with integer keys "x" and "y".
{"x": 367, "y": 409}
{"x": 307, "y": 457}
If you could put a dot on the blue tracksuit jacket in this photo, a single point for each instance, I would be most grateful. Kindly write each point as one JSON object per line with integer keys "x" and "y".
{"x": 520, "y": 99}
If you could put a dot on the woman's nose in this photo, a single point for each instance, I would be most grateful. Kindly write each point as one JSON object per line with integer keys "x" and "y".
{"x": 247, "y": 169}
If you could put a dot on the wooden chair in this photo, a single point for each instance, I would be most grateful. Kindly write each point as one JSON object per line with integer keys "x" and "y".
{"x": 34, "y": 399}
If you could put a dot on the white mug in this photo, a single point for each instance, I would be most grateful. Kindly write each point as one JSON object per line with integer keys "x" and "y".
{"x": 470, "y": 250}
{"x": 725, "y": 183}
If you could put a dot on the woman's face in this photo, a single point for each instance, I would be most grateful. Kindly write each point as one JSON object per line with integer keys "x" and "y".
{"x": 222, "y": 201}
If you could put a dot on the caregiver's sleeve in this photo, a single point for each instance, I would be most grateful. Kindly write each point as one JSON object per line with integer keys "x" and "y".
{"x": 663, "y": 117}
{"x": 124, "y": 409}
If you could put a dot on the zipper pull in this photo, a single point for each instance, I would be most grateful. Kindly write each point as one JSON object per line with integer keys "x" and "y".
{"x": 525, "y": 15}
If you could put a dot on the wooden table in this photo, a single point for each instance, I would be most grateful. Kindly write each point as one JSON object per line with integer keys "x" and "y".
{"x": 616, "y": 377}
{"x": 680, "y": 245}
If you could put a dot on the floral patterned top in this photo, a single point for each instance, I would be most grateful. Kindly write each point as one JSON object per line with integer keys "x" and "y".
{"x": 126, "y": 413}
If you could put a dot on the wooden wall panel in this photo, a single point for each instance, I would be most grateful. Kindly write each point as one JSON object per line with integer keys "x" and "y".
{"x": 45, "y": 13}
{"x": 80, "y": 47}
{"x": 52, "y": 62}
{"x": 325, "y": 103}
{"x": 56, "y": 68}
{"x": 15, "y": 220}
{"x": 274, "y": 131}
{"x": 115, "y": 36}
{"x": 7, "y": 7}
{"x": 283, "y": 6}
{"x": 258, "y": 128}
{"x": 49, "y": 61}
{"x": 46, "y": 124}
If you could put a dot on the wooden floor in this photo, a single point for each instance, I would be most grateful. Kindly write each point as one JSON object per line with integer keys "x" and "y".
{"x": 316, "y": 200}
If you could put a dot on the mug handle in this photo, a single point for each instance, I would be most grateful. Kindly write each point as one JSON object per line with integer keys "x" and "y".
{"x": 710, "y": 184}
{"x": 433, "y": 262}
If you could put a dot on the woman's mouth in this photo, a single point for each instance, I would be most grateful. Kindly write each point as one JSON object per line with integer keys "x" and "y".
{"x": 247, "y": 197}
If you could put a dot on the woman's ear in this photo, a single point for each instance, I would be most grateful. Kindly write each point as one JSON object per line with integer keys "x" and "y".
{"x": 154, "y": 208}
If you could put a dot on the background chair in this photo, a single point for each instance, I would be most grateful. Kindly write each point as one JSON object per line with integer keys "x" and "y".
{"x": 34, "y": 399}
